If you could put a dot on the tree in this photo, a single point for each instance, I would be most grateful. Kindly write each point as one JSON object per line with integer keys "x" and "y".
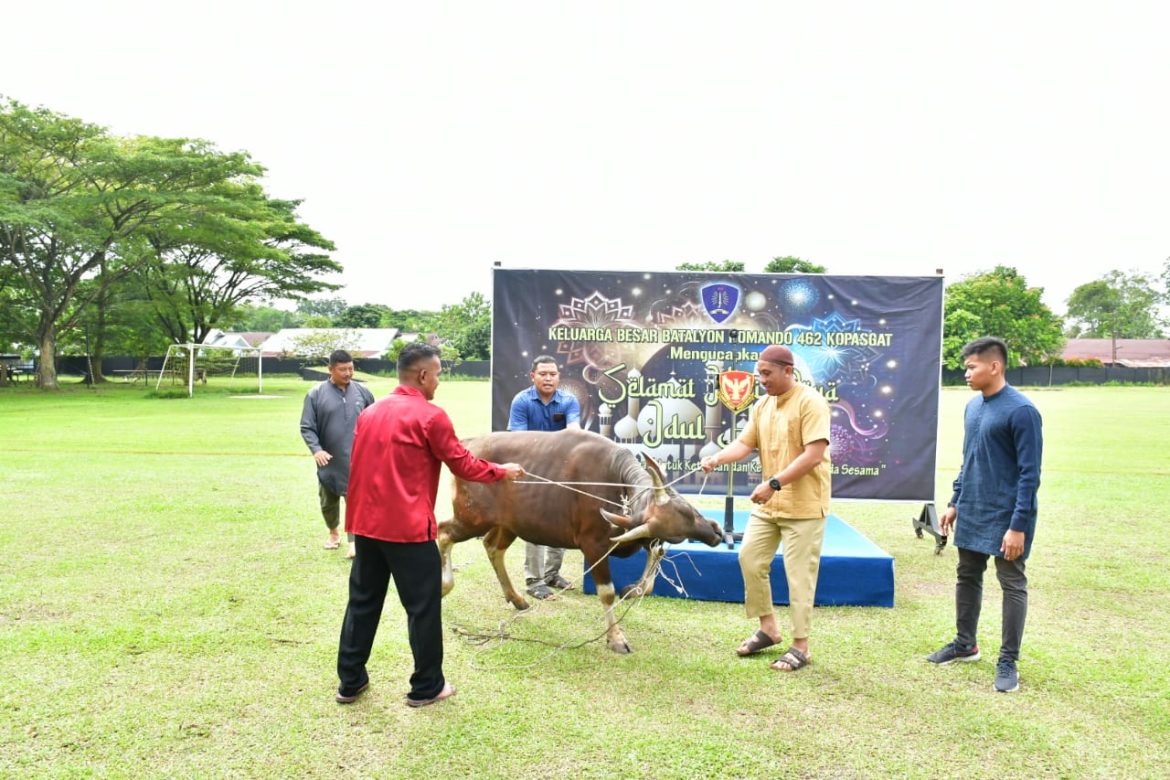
{"x": 266, "y": 319}
{"x": 467, "y": 325}
{"x": 396, "y": 347}
{"x": 319, "y": 344}
{"x": 328, "y": 307}
{"x": 412, "y": 321}
{"x": 365, "y": 315}
{"x": 792, "y": 265}
{"x": 1118, "y": 306}
{"x": 75, "y": 203}
{"x": 250, "y": 247}
{"x": 727, "y": 266}
{"x": 999, "y": 303}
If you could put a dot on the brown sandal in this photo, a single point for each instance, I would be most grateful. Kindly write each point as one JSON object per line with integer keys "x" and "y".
{"x": 755, "y": 643}
{"x": 792, "y": 659}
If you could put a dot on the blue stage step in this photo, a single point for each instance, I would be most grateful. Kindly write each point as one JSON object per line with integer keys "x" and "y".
{"x": 854, "y": 570}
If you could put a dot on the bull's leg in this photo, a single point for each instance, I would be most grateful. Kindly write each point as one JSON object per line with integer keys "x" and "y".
{"x": 450, "y": 532}
{"x": 614, "y": 636}
{"x": 443, "y": 538}
{"x": 496, "y": 542}
{"x": 645, "y": 585}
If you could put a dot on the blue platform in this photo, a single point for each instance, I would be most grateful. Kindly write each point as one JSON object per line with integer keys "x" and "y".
{"x": 854, "y": 570}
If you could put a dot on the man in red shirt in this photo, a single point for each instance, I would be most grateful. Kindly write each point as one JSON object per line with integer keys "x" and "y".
{"x": 398, "y": 447}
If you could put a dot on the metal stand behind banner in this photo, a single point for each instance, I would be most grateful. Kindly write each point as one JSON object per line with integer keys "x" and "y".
{"x": 927, "y": 521}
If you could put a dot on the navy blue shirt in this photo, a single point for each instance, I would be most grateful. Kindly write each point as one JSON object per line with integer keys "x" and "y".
{"x": 530, "y": 413}
{"x": 996, "y": 488}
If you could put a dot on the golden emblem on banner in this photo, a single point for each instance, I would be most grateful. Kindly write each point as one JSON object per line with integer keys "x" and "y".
{"x": 737, "y": 389}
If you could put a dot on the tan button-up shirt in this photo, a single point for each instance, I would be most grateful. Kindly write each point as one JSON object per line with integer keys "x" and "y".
{"x": 779, "y": 427}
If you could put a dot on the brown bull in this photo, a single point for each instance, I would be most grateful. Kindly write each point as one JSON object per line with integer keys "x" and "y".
{"x": 555, "y": 516}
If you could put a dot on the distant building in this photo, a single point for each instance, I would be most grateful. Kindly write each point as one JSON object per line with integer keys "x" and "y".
{"x": 359, "y": 342}
{"x": 1130, "y": 353}
{"x": 250, "y": 339}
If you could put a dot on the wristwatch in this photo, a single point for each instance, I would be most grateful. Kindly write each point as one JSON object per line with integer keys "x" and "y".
{"x": 774, "y": 483}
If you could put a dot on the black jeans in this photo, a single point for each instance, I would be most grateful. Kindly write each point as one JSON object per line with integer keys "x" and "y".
{"x": 969, "y": 601}
{"x": 417, "y": 573}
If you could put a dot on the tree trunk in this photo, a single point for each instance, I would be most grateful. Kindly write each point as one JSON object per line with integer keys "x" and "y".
{"x": 47, "y": 365}
{"x": 97, "y": 348}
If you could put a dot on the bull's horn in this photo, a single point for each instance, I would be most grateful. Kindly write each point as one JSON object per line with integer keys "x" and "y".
{"x": 621, "y": 521}
{"x": 641, "y": 532}
{"x": 660, "y": 495}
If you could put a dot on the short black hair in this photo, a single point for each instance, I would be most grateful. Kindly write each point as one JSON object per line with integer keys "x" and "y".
{"x": 986, "y": 344}
{"x": 536, "y": 361}
{"x": 413, "y": 353}
{"x": 339, "y": 356}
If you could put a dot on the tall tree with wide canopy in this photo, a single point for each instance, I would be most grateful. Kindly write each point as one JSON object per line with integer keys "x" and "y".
{"x": 75, "y": 204}
{"x": 999, "y": 303}
{"x": 249, "y": 247}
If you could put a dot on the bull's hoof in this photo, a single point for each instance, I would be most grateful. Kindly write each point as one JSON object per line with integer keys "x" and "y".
{"x": 620, "y": 647}
{"x": 447, "y": 587}
{"x": 632, "y": 589}
{"x": 520, "y": 604}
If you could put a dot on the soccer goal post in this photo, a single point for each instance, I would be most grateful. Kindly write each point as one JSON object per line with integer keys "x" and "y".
{"x": 191, "y": 354}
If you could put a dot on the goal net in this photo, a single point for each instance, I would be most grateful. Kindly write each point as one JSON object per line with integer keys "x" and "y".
{"x": 193, "y": 364}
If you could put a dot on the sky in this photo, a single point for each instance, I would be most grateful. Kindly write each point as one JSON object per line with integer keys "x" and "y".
{"x": 430, "y": 140}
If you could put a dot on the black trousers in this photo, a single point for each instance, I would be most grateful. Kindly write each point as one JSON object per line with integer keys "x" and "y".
{"x": 416, "y": 569}
{"x": 969, "y": 601}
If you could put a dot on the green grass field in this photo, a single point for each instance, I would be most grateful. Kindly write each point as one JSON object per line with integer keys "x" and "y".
{"x": 166, "y": 610}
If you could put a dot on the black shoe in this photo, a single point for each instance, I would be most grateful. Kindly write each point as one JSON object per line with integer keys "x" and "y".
{"x": 559, "y": 582}
{"x": 349, "y": 698}
{"x": 538, "y": 590}
{"x": 1007, "y": 679}
{"x": 949, "y": 653}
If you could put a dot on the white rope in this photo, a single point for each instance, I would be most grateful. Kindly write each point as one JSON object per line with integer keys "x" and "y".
{"x": 540, "y": 480}
{"x": 638, "y": 592}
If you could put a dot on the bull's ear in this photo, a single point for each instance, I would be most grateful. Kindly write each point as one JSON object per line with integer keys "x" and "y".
{"x": 621, "y": 521}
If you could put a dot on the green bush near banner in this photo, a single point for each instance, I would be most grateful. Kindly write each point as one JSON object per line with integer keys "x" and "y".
{"x": 167, "y": 610}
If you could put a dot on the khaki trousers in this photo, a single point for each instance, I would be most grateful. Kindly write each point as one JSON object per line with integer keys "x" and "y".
{"x": 802, "y": 540}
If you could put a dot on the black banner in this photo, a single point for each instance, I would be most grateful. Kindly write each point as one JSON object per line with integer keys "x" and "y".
{"x": 643, "y": 352}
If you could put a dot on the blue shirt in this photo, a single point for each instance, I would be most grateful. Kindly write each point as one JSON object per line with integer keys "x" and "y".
{"x": 530, "y": 413}
{"x": 996, "y": 488}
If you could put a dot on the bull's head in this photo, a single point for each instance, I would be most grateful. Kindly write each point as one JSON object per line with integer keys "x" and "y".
{"x": 667, "y": 516}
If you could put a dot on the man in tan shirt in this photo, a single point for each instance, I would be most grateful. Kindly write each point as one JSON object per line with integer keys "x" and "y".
{"x": 790, "y": 429}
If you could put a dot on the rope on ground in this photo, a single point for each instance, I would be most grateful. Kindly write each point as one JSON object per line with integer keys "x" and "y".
{"x": 637, "y": 592}
{"x": 480, "y": 638}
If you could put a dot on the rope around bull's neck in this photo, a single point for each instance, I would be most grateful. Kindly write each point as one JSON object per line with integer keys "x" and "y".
{"x": 539, "y": 480}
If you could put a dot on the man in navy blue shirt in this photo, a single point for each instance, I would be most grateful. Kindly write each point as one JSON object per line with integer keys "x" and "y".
{"x": 544, "y": 407}
{"x": 993, "y": 507}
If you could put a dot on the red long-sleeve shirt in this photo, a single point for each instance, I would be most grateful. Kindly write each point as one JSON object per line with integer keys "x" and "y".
{"x": 398, "y": 446}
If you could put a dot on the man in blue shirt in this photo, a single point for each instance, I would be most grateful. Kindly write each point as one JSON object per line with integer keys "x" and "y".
{"x": 544, "y": 407}
{"x": 993, "y": 508}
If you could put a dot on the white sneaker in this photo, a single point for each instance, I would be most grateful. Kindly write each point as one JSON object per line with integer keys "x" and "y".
{"x": 351, "y": 551}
